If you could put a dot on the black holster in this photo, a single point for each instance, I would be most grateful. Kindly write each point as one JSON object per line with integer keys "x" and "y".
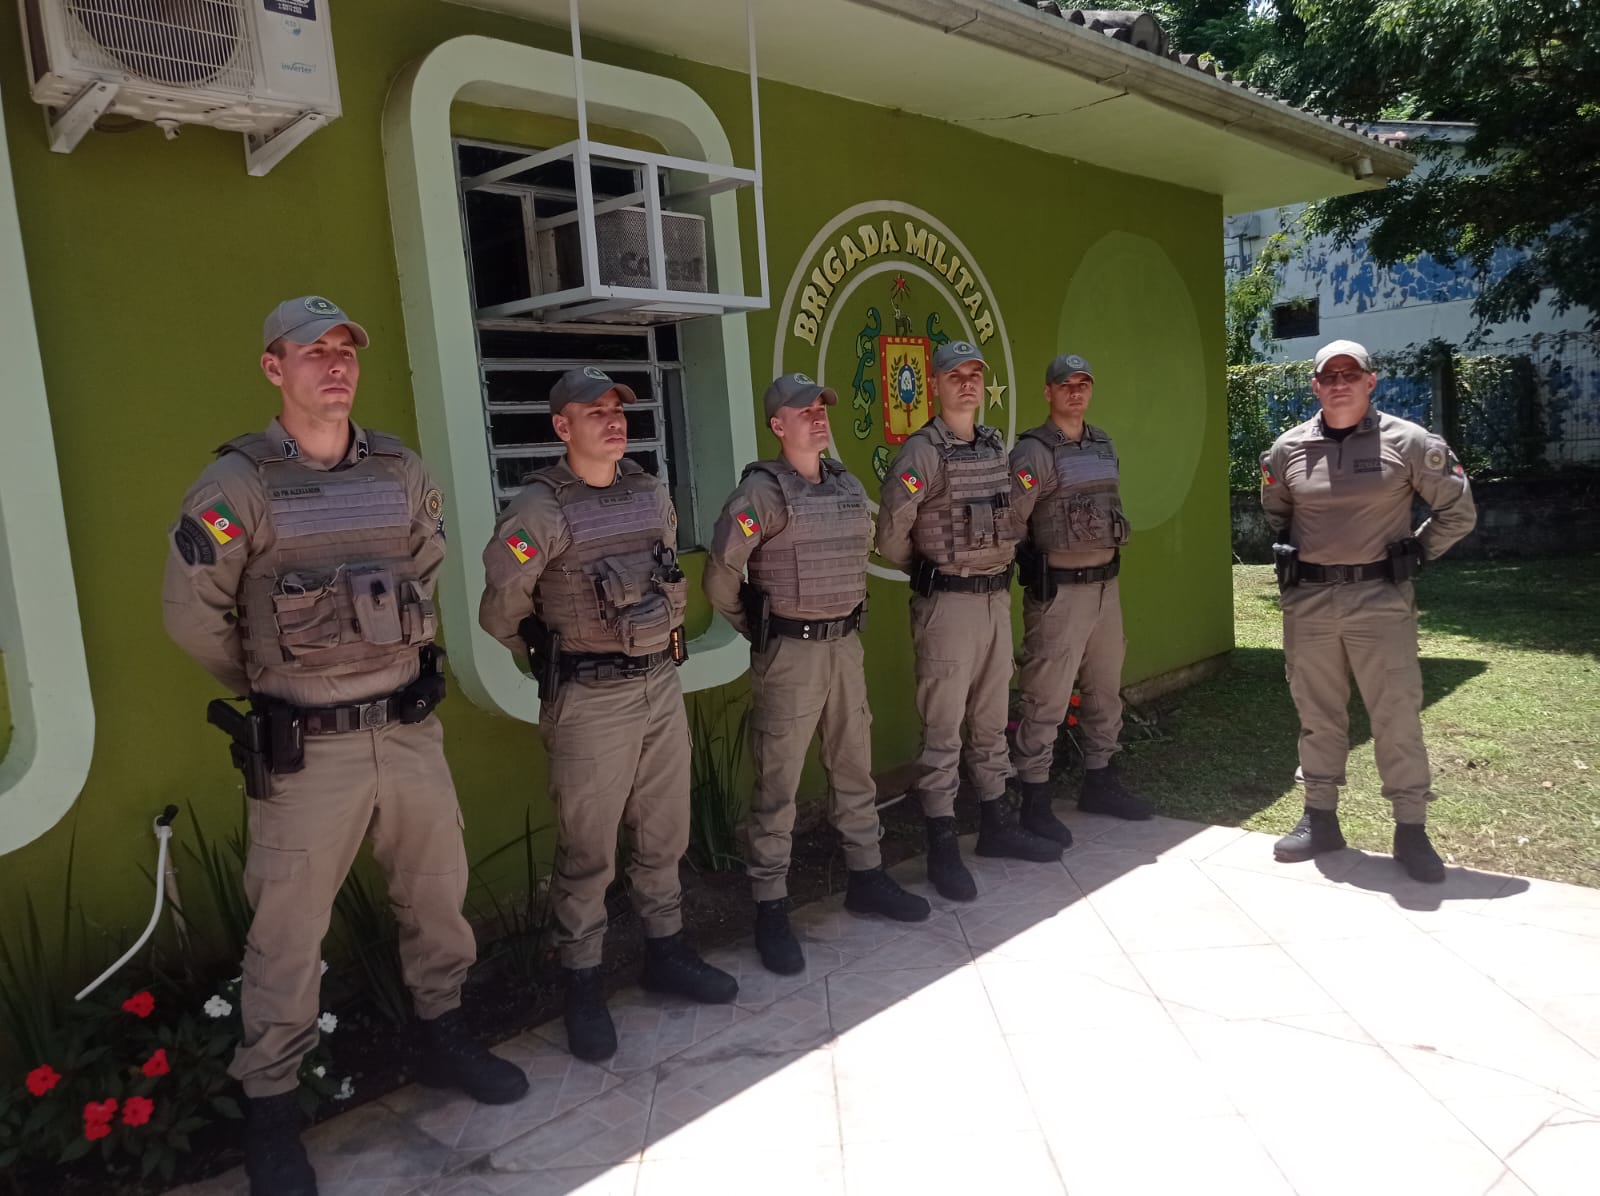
{"x": 419, "y": 699}
{"x": 1033, "y": 572}
{"x": 251, "y": 749}
{"x": 1405, "y": 559}
{"x": 544, "y": 655}
{"x": 1286, "y": 564}
{"x": 923, "y": 572}
{"x": 757, "y": 614}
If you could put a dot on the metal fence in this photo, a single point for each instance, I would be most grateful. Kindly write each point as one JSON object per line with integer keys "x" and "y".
{"x": 1518, "y": 408}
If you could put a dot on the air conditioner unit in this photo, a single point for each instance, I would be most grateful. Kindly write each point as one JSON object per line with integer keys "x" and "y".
{"x": 623, "y": 253}
{"x": 263, "y": 68}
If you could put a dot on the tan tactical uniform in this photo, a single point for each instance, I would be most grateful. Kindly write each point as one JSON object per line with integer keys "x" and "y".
{"x": 1343, "y": 503}
{"x": 806, "y": 546}
{"x": 1066, "y": 493}
{"x": 587, "y": 561}
{"x": 947, "y": 502}
{"x": 316, "y": 586}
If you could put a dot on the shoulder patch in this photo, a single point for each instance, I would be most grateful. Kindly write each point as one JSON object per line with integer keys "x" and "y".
{"x": 433, "y": 503}
{"x": 1025, "y": 476}
{"x": 520, "y": 546}
{"x": 748, "y": 523}
{"x": 222, "y": 523}
{"x": 911, "y": 480}
{"x": 193, "y": 543}
{"x": 1266, "y": 472}
{"x": 1435, "y": 458}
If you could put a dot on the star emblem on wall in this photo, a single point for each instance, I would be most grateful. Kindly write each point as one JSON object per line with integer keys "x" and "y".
{"x": 995, "y": 392}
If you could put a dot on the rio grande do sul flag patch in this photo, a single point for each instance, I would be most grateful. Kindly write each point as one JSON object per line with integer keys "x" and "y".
{"x": 748, "y": 523}
{"x": 521, "y": 547}
{"x": 912, "y": 481}
{"x": 1027, "y": 479}
{"x": 221, "y": 522}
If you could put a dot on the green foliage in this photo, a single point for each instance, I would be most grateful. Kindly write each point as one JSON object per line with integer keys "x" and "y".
{"x": 716, "y": 794}
{"x": 516, "y": 924}
{"x": 1526, "y": 75}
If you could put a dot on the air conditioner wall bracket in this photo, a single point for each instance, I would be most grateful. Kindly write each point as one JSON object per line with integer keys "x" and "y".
{"x": 263, "y": 153}
{"x": 69, "y": 125}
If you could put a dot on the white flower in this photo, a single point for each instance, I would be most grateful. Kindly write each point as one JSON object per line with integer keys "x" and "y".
{"x": 324, "y": 971}
{"x": 319, "y": 1071}
{"x": 217, "y": 1007}
{"x": 327, "y": 1023}
{"x": 346, "y": 1090}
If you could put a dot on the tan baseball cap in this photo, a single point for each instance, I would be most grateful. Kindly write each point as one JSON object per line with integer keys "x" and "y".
{"x": 585, "y": 384}
{"x": 308, "y": 319}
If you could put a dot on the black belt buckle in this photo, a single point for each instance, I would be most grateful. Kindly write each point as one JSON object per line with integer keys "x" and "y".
{"x": 1338, "y": 575}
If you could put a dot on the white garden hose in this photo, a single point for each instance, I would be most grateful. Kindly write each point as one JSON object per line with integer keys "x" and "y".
{"x": 163, "y": 829}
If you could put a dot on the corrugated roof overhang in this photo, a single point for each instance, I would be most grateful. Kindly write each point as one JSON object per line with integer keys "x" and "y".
{"x": 1003, "y": 69}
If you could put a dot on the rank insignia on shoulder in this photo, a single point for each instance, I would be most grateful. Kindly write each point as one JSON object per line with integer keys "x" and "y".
{"x": 521, "y": 547}
{"x": 1027, "y": 479}
{"x": 748, "y": 523}
{"x": 911, "y": 481}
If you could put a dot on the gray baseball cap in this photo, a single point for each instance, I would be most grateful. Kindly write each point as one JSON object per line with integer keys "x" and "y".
{"x": 1343, "y": 349}
{"x": 1064, "y": 367}
{"x": 796, "y": 390}
{"x": 953, "y": 353}
{"x": 585, "y": 384}
{"x": 308, "y": 319}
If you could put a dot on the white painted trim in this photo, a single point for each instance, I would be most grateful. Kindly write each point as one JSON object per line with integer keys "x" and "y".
{"x": 437, "y": 303}
{"x": 47, "y": 672}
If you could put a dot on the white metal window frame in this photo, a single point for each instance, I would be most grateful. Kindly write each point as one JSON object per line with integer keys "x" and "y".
{"x": 442, "y": 338}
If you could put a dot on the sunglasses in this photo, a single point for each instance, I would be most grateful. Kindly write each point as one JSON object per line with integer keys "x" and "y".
{"x": 1334, "y": 377}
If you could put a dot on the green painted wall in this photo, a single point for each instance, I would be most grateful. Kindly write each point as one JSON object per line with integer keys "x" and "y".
{"x": 153, "y": 262}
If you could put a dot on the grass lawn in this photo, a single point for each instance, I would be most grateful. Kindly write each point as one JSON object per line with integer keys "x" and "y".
{"x": 1511, "y": 680}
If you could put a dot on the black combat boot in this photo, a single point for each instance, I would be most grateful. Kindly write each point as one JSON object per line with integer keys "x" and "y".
{"x": 591, "y": 1036}
{"x": 775, "y": 942}
{"x": 452, "y": 1058}
{"x": 999, "y": 834}
{"x": 874, "y": 891}
{"x": 274, "y": 1158}
{"x": 672, "y": 966}
{"x": 1414, "y": 853}
{"x": 1037, "y": 814}
{"x": 1103, "y": 793}
{"x": 1316, "y": 832}
{"x": 946, "y": 872}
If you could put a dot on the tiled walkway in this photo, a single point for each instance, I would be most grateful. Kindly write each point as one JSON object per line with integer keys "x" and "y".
{"x": 1166, "y": 1011}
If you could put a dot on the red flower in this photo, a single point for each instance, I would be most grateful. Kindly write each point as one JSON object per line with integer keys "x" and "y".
{"x": 1072, "y": 720}
{"x": 97, "y": 1118}
{"x": 1077, "y": 699}
{"x": 136, "y": 1110}
{"x": 140, "y": 1004}
{"x": 156, "y": 1065}
{"x": 43, "y": 1078}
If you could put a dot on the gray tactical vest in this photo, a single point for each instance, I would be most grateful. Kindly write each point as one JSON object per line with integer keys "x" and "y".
{"x": 337, "y": 590}
{"x": 609, "y": 591}
{"x": 964, "y": 524}
{"x": 1085, "y": 511}
{"x": 816, "y": 568}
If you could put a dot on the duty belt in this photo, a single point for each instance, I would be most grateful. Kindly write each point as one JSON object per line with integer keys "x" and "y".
{"x": 609, "y": 666}
{"x": 1344, "y": 574}
{"x": 1083, "y": 577}
{"x": 354, "y": 716}
{"x": 984, "y": 583}
{"x": 816, "y": 629}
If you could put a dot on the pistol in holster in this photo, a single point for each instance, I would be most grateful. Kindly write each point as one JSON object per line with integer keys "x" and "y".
{"x": 1033, "y": 572}
{"x": 757, "y": 614}
{"x": 1286, "y": 564}
{"x": 1405, "y": 558}
{"x": 419, "y": 699}
{"x": 268, "y": 738}
{"x": 923, "y": 572}
{"x": 544, "y": 655}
